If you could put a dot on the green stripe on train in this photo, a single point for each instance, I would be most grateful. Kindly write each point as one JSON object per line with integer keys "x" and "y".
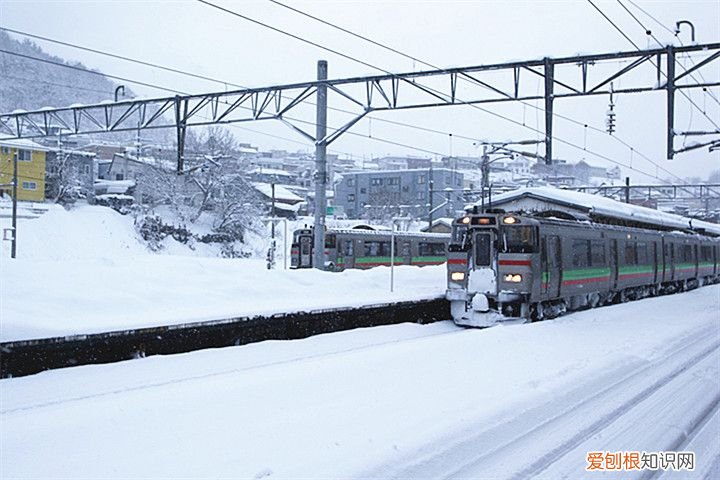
{"x": 583, "y": 273}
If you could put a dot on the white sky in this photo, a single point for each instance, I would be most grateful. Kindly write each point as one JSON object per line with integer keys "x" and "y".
{"x": 190, "y": 36}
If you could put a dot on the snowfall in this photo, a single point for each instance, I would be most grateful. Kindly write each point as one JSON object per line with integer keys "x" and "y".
{"x": 404, "y": 401}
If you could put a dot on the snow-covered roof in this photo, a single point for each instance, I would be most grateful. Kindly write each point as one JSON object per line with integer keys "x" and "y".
{"x": 282, "y": 194}
{"x": 271, "y": 171}
{"x": 607, "y": 207}
{"x": 23, "y": 143}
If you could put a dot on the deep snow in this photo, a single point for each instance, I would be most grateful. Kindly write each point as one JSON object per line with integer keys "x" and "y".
{"x": 85, "y": 271}
{"x": 402, "y": 401}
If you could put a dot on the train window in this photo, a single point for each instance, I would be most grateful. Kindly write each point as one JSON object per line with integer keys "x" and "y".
{"x": 426, "y": 249}
{"x": 580, "y": 253}
{"x": 630, "y": 253}
{"x": 377, "y": 249}
{"x": 519, "y": 240}
{"x": 330, "y": 241}
{"x": 642, "y": 253}
{"x": 705, "y": 253}
{"x": 405, "y": 251}
{"x": 687, "y": 253}
{"x": 482, "y": 249}
{"x": 348, "y": 248}
{"x": 459, "y": 239}
{"x": 597, "y": 253}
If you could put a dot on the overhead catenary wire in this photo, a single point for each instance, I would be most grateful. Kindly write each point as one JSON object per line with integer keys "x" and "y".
{"x": 652, "y": 62}
{"x": 390, "y": 73}
{"x": 583, "y": 124}
{"x": 216, "y": 80}
{"x": 675, "y": 33}
{"x": 375, "y": 138}
{"x": 353, "y": 133}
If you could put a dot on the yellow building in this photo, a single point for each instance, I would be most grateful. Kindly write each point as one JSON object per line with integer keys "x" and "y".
{"x": 30, "y": 167}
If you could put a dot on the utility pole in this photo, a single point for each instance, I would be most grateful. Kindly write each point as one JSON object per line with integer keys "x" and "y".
{"x": 13, "y": 247}
{"x": 320, "y": 166}
{"x": 627, "y": 189}
{"x": 431, "y": 188}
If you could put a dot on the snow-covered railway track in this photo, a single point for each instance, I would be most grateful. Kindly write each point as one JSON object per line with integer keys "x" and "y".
{"x": 643, "y": 406}
{"x": 368, "y": 342}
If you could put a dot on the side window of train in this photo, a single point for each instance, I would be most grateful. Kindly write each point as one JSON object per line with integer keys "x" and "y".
{"x": 630, "y": 253}
{"x": 348, "y": 248}
{"x": 687, "y": 253}
{"x": 597, "y": 253}
{"x": 330, "y": 241}
{"x": 377, "y": 249}
{"x": 642, "y": 253}
{"x": 580, "y": 253}
{"x": 405, "y": 250}
{"x": 427, "y": 249}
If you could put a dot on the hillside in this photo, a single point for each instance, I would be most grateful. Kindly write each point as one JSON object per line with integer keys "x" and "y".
{"x": 29, "y": 84}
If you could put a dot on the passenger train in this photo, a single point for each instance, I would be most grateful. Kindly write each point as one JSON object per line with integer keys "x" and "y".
{"x": 365, "y": 247}
{"x": 504, "y": 266}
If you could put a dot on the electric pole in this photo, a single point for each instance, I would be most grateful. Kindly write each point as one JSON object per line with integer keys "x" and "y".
{"x": 320, "y": 167}
{"x": 13, "y": 247}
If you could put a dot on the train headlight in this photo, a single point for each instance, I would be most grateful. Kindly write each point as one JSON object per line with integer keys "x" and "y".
{"x": 465, "y": 220}
{"x": 510, "y": 220}
{"x": 457, "y": 276}
{"x": 513, "y": 277}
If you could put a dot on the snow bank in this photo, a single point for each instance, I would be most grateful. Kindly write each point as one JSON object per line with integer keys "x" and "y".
{"x": 85, "y": 271}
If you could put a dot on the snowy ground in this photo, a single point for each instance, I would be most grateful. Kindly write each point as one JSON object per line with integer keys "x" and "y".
{"x": 404, "y": 401}
{"x": 85, "y": 271}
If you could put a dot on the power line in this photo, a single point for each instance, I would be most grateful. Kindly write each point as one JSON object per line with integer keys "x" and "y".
{"x": 377, "y": 139}
{"x": 92, "y": 72}
{"x": 675, "y": 33}
{"x": 383, "y": 70}
{"x": 224, "y": 82}
{"x": 465, "y": 78}
{"x": 653, "y": 63}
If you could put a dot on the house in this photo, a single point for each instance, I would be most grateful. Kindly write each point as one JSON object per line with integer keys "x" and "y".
{"x": 284, "y": 202}
{"x": 401, "y": 192}
{"x": 31, "y": 158}
{"x": 439, "y": 225}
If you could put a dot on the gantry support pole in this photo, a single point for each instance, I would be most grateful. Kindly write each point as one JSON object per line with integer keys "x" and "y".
{"x": 549, "y": 73}
{"x": 320, "y": 167}
{"x": 670, "y": 102}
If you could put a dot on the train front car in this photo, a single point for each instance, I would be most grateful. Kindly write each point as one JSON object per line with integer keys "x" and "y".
{"x": 493, "y": 266}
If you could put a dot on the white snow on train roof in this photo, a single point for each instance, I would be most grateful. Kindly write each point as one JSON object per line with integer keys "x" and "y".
{"x": 607, "y": 207}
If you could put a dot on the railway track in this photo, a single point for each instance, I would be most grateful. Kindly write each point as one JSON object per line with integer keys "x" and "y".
{"x": 661, "y": 405}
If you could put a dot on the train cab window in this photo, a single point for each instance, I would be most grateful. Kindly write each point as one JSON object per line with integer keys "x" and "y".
{"x": 426, "y": 249}
{"x": 348, "y": 248}
{"x": 459, "y": 239}
{"x": 580, "y": 253}
{"x": 483, "y": 255}
{"x": 377, "y": 249}
{"x": 597, "y": 253}
{"x": 521, "y": 239}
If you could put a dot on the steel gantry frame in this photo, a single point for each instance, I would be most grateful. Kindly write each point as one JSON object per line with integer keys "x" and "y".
{"x": 377, "y": 93}
{"x": 373, "y": 94}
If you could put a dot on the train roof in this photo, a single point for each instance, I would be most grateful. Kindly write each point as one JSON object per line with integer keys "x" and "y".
{"x": 598, "y": 209}
{"x": 388, "y": 232}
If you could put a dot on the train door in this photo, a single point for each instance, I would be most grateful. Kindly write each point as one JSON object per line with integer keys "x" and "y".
{"x": 306, "y": 251}
{"x": 613, "y": 263}
{"x": 482, "y": 278}
{"x": 554, "y": 266}
{"x": 348, "y": 252}
{"x": 405, "y": 252}
{"x": 669, "y": 266}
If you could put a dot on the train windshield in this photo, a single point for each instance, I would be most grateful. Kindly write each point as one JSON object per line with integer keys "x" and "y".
{"x": 520, "y": 239}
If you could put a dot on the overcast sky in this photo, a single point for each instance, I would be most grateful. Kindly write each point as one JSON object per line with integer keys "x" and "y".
{"x": 197, "y": 38}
